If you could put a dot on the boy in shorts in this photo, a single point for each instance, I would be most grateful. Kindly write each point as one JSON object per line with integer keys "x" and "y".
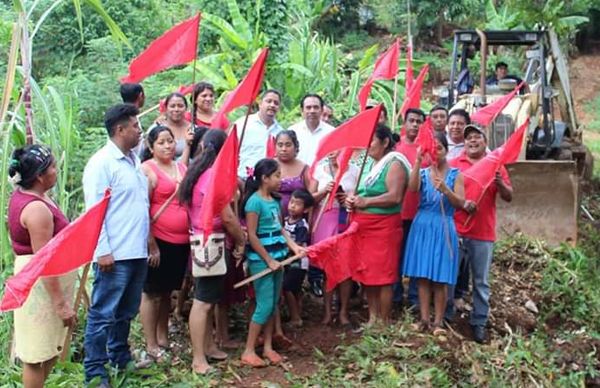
{"x": 298, "y": 228}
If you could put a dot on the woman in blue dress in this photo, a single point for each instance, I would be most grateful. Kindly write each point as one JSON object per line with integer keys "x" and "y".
{"x": 432, "y": 246}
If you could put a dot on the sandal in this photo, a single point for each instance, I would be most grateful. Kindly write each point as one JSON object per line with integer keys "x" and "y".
{"x": 254, "y": 361}
{"x": 282, "y": 342}
{"x": 421, "y": 326}
{"x": 158, "y": 356}
{"x": 438, "y": 331}
{"x": 273, "y": 357}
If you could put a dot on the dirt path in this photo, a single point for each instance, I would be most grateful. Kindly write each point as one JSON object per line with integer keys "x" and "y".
{"x": 584, "y": 71}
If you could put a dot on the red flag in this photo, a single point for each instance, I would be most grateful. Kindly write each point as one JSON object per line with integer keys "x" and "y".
{"x": 386, "y": 67}
{"x": 245, "y": 93}
{"x": 486, "y": 115}
{"x": 409, "y": 77}
{"x": 343, "y": 162}
{"x": 332, "y": 255}
{"x": 354, "y": 133}
{"x": 222, "y": 183}
{"x": 480, "y": 176}
{"x": 71, "y": 248}
{"x": 426, "y": 140}
{"x": 413, "y": 95}
{"x": 175, "y": 47}
{"x": 271, "y": 151}
{"x": 183, "y": 89}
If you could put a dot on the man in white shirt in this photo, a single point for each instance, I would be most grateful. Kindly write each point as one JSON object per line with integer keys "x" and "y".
{"x": 260, "y": 128}
{"x": 458, "y": 119}
{"x": 310, "y": 130}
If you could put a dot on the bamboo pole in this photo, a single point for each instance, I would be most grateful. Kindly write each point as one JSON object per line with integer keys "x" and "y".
{"x": 267, "y": 271}
{"x": 244, "y": 127}
{"x": 395, "y": 104}
{"x": 78, "y": 297}
{"x": 149, "y": 110}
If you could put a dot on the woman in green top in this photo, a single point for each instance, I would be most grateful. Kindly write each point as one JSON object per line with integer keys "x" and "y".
{"x": 376, "y": 208}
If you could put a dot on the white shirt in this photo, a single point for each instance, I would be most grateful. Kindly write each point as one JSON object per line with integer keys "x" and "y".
{"x": 254, "y": 145}
{"x": 323, "y": 176}
{"x": 125, "y": 230}
{"x": 454, "y": 149}
{"x": 309, "y": 140}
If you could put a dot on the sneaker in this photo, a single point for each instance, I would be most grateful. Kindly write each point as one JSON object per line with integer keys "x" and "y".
{"x": 316, "y": 287}
{"x": 478, "y": 333}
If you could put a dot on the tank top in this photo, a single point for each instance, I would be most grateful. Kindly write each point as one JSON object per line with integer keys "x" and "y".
{"x": 21, "y": 241}
{"x": 288, "y": 186}
{"x": 377, "y": 187}
{"x": 172, "y": 224}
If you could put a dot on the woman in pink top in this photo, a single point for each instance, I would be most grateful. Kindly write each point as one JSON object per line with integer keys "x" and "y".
{"x": 208, "y": 290}
{"x": 33, "y": 219}
{"x": 169, "y": 241}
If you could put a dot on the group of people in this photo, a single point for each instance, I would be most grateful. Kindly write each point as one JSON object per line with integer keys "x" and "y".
{"x": 413, "y": 215}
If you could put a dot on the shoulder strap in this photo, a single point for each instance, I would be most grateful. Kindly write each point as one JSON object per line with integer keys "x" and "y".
{"x": 164, "y": 206}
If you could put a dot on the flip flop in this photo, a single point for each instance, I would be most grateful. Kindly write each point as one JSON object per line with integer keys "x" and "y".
{"x": 254, "y": 361}
{"x": 274, "y": 357}
{"x": 215, "y": 357}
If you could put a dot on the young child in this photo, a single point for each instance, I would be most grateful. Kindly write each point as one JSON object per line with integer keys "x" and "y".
{"x": 297, "y": 226}
{"x": 269, "y": 244}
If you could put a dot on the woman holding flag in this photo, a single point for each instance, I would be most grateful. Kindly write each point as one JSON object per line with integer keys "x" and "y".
{"x": 33, "y": 219}
{"x": 432, "y": 247}
{"x": 208, "y": 290}
{"x": 377, "y": 208}
{"x": 203, "y": 99}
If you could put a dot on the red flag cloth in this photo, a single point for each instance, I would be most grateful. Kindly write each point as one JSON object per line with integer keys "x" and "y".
{"x": 175, "y": 47}
{"x": 343, "y": 162}
{"x": 483, "y": 173}
{"x": 71, "y": 248}
{"x": 354, "y": 133}
{"x": 426, "y": 141}
{"x": 486, "y": 115}
{"x": 245, "y": 93}
{"x": 409, "y": 77}
{"x": 386, "y": 67}
{"x": 413, "y": 95}
{"x": 185, "y": 90}
{"x": 271, "y": 151}
{"x": 222, "y": 184}
{"x": 332, "y": 255}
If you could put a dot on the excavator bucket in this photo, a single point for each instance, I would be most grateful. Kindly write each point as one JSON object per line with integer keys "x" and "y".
{"x": 545, "y": 201}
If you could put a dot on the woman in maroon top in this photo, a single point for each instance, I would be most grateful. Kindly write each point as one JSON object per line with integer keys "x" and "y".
{"x": 33, "y": 219}
{"x": 203, "y": 99}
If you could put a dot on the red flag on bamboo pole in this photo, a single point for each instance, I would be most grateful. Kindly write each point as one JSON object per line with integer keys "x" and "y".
{"x": 486, "y": 115}
{"x": 271, "y": 151}
{"x": 245, "y": 93}
{"x": 175, "y": 47}
{"x": 332, "y": 255}
{"x": 71, "y": 248}
{"x": 409, "y": 76}
{"x": 480, "y": 176}
{"x": 413, "y": 95}
{"x": 343, "y": 163}
{"x": 386, "y": 67}
{"x": 222, "y": 183}
{"x": 354, "y": 133}
{"x": 426, "y": 140}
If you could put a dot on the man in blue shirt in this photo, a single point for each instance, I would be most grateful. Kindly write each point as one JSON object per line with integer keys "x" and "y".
{"x": 120, "y": 260}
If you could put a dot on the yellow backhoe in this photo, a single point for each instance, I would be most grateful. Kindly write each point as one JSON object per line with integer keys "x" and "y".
{"x": 553, "y": 160}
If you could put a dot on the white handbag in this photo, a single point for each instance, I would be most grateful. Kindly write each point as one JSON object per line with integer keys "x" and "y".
{"x": 208, "y": 259}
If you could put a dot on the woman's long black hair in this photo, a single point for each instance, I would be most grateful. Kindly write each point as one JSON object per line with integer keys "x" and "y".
{"x": 212, "y": 143}
{"x": 264, "y": 167}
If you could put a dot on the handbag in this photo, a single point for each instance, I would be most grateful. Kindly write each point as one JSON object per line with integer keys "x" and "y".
{"x": 208, "y": 257}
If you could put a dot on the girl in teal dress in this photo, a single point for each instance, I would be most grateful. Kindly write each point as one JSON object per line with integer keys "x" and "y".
{"x": 432, "y": 246}
{"x": 269, "y": 244}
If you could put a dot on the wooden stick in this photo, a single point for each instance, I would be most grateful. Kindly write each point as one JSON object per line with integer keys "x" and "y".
{"x": 80, "y": 291}
{"x": 144, "y": 113}
{"x": 244, "y": 127}
{"x": 267, "y": 271}
{"x": 394, "y": 118}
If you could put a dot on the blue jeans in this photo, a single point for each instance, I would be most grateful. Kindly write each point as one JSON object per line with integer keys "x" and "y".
{"x": 413, "y": 294}
{"x": 115, "y": 301}
{"x": 477, "y": 254}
